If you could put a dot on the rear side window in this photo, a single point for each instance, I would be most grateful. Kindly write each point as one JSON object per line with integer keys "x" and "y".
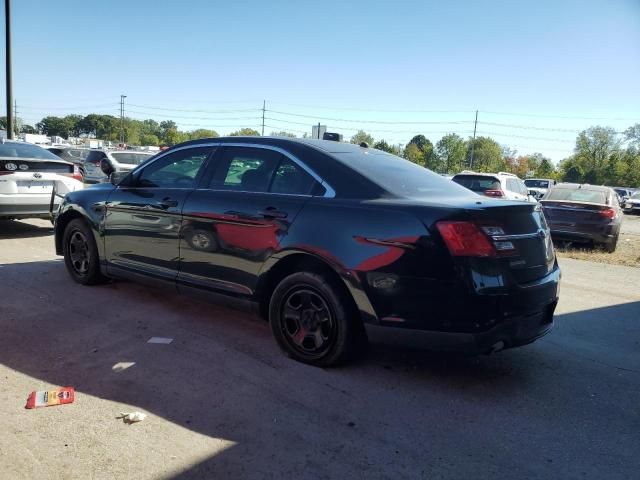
{"x": 512, "y": 185}
{"x": 261, "y": 170}
{"x": 130, "y": 158}
{"x": 578, "y": 195}
{"x": 290, "y": 179}
{"x": 478, "y": 183}
{"x": 95, "y": 156}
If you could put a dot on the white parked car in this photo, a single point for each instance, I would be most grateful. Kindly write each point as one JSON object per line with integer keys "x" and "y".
{"x": 502, "y": 185}
{"x": 28, "y": 175}
{"x": 538, "y": 187}
{"x": 121, "y": 161}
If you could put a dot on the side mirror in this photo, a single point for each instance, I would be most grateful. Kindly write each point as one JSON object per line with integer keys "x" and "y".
{"x": 116, "y": 177}
{"x": 106, "y": 167}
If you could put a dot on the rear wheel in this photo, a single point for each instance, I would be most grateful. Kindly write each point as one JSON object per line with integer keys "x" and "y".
{"x": 312, "y": 320}
{"x": 611, "y": 247}
{"x": 81, "y": 253}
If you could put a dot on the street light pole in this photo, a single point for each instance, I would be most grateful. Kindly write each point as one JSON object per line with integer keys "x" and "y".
{"x": 7, "y": 18}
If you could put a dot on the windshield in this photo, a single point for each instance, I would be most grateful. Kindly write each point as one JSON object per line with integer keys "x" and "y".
{"x": 537, "y": 183}
{"x": 477, "y": 183}
{"x": 399, "y": 176}
{"x": 25, "y": 150}
{"x": 131, "y": 158}
{"x": 578, "y": 195}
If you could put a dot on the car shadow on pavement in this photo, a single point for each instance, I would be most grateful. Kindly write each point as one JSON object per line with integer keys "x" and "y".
{"x": 222, "y": 376}
{"x": 18, "y": 229}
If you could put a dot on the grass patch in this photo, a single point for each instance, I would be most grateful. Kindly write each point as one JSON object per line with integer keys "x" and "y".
{"x": 627, "y": 252}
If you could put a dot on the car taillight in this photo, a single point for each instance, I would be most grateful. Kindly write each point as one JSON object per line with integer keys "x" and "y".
{"x": 494, "y": 193}
{"x": 610, "y": 213}
{"x": 466, "y": 239}
{"x": 77, "y": 175}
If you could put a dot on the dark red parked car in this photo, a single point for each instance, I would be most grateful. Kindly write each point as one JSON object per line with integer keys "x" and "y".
{"x": 583, "y": 213}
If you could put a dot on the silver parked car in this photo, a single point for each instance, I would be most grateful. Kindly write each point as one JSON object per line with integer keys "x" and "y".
{"x": 120, "y": 160}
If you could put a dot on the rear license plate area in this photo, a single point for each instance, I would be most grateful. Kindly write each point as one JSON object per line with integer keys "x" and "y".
{"x": 34, "y": 186}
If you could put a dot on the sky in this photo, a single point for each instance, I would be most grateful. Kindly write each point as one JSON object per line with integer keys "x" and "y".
{"x": 538, "y": 72}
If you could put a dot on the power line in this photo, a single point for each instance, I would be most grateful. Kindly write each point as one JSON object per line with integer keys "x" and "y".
{"x": 104, "y": 105}
{"x": 316, "y": 117}
{"x": 564, "y": 117}
{"x": 191, "y": 117}
{"x": 196, "y": 111}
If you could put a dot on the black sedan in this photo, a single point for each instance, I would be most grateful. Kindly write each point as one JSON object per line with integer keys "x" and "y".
{"x": 334, "y": 244}
{"x": 582, "y": 213}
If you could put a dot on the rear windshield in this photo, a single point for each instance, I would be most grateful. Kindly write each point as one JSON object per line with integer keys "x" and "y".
{"x": 477, "y": 183}
{"x": 578, "y": 195}
{"x": 130, "y": 158}
{"x": 399, "y": 176}
{"x": 25, "y": 150}
{"x": 537, "y": 183}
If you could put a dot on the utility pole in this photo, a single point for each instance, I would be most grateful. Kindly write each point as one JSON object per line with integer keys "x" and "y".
{"x": 15, "y": 117}
{"x": 9, "y": 75}
{"x": 264, "y": 104}
{"x": 122, "y": 97}
{"x": 473, "y": 144}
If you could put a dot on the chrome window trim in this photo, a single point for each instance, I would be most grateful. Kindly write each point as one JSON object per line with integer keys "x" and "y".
{"x": 329, "y": 191}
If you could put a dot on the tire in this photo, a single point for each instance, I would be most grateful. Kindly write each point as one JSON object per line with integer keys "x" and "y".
{"x": 81, "y": 253}
{"x": 313, "y": 321}
{"x": 611, "y": 247}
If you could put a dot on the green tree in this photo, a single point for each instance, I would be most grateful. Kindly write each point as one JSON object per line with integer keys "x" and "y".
{"x": 421, "y": 142}
{"x": 632, "y": 135}
{"x": 173, "y": 137}
{"x": 149, "y": 139}
{"x": 28, "y": 129}
{"x": 202, "y": 133}
{"x": 361, "y": 137}
{"x": 384, "y": 146}
{"x": 283, "y": 133}
{"x": 595, "y": 148}
{"x": 53, "y": 126}
{"x": 414, "y": 154}
{"x": 487, "y": 155}
{"x": 451, "y": 150}
{"x": 245, "y": 132}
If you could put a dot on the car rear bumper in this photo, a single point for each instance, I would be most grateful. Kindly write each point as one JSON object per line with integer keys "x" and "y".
{"x": 26, "y": 206}
{"x": 582, "y": 237}
{"x": 512, "y": 332}
{"x": 484, "y": 323}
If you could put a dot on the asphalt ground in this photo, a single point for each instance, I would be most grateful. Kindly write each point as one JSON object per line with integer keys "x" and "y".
{"x": 223, "y": 402}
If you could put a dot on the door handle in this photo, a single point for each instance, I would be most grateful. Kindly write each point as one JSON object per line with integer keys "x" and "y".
{"x": 166, "y": 203}
{"x": 272, "y": 212}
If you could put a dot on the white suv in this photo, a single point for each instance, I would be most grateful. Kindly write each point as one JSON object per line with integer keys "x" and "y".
{"x": 121, "y": 161}
{"x": 495, "y": 185}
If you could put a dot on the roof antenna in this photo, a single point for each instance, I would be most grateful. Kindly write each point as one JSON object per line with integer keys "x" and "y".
{"x": 364, "y": 144}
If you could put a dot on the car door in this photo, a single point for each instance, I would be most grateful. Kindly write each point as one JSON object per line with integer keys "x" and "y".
{"x": 144, "y": 216}
{"x": 235, "y": 222}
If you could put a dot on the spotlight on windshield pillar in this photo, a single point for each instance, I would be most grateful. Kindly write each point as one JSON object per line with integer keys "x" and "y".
{"x": 336, "y": 137}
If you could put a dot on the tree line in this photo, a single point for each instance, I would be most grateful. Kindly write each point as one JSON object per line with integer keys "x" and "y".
{"x": 601, "y": 155}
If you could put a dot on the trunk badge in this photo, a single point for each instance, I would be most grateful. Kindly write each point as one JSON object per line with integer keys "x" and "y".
{"x": 37, "y": 175}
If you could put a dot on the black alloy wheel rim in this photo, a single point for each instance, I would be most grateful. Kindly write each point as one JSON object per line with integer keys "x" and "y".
{"x": 307, "y": 322}
{"x": 79, "y": 252}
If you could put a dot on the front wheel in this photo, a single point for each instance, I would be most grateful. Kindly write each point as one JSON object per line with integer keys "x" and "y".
{"x": 312, "y": 320}
{"x": 81, "y": 253}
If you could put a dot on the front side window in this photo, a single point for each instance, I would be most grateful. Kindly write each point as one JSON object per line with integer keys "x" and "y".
{"x": 175, "y": 170}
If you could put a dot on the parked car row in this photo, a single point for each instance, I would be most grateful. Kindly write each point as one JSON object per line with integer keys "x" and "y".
{"x": 88, "y": 160}
{"x": 574, "y": 212}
